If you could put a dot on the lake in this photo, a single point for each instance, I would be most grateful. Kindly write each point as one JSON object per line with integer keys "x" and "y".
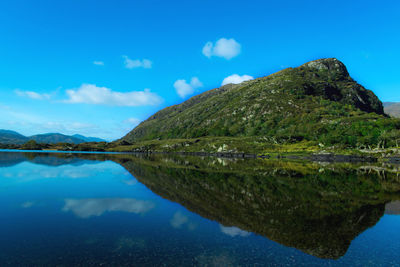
{"x": 93, "y": 209}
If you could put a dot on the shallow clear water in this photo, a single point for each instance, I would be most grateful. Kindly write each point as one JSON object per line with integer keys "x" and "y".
{"x": 83, "y": 210}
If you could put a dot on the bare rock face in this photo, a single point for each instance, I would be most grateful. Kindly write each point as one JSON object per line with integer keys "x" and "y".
{"x": 332, "y": 65}
{"x": 329, "y": 77}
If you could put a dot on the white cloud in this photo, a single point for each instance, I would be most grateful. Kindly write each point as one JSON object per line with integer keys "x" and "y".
{"x": 99, "y": 63}
{"x": 33, "y": 95}
{"x": 92, "y": 94}
{"x": 208, "y": 49}
{"x": 235, "y": 79}
{"x": 137, "y": 63}
{"x": 184, "y": 89}
{"x": 85, "y": 208}
{"x": 233, "y": 231}
{"x": 226, "y": 48}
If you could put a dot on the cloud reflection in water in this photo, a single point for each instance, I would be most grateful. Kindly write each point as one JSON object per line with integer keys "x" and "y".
{"x": 233, "y": 231}
{"x": 85, "y": 208}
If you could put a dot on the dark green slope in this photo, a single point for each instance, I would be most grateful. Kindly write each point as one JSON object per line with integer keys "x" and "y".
{"x": 317, "y": 101}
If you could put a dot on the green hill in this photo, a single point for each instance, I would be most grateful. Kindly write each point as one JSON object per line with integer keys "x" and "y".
{"x": 317, "y": 101}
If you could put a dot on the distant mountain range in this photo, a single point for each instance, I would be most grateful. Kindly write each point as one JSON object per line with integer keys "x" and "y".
{"x": 12, "y": 137}
{"x": 392, "y": 109}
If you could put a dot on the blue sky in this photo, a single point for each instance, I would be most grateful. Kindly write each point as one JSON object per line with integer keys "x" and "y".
{"x": 99, "y": 67}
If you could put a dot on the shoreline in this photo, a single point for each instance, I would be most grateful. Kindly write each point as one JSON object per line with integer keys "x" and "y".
{"x": 314, "y": 157}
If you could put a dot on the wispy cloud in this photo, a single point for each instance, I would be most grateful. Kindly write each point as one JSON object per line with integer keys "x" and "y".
{"x": 235, "y": 79}
{"x": 132, "y": 121}
{"x": 92, "y": 94}
{"x": 184, "y": 89}
{"x": 137, "y": 63}
{"x": 86, "y": 208}
{"x": 226, "y": 48}
{"x": 32, "y": 95}
{"x": 72, "y": 127}
{"x": 98, "y": 63}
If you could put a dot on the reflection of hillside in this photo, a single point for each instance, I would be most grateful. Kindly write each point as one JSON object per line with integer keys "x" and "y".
{"x": 56, "y": 161}
{"x": 317, "y": 209}
{"x": 8, "y": 159}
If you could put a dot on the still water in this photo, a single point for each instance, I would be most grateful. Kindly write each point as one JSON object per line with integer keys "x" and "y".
{"x": 125, "y": 210}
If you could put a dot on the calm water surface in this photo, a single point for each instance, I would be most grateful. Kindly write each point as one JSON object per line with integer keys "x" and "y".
{"x": 124, "y": 210}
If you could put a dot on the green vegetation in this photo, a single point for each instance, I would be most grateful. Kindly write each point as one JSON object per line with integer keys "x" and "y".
{"x": 31, "y": 145}
{"x": 317, "y": 103}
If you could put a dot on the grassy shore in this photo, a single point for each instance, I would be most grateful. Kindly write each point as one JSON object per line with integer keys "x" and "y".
{"x": 256, "y": 146}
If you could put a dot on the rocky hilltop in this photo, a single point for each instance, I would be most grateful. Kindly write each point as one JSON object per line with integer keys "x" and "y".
{"x": 317, "y": 101}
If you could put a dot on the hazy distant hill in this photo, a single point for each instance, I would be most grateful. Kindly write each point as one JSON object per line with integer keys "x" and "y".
{"x": 12, "y": 137}
{"x": 88, "y": 139}
{"x": 53, "y": 138}
{"x": 392, "y": 108}
{"x": 317, "y": 101}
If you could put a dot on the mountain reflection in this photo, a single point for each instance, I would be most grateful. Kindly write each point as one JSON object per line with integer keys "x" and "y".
{"x": 316, "y": 208}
